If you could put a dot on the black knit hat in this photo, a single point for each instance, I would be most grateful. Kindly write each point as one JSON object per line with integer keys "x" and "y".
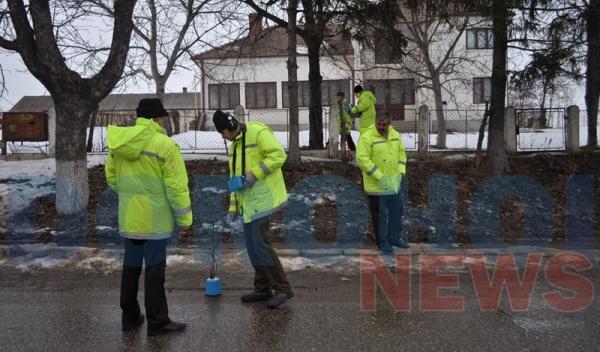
{"x": 224, "y": 121}
{"x": 358, "y": 88}
{"x": 151, "y": 108}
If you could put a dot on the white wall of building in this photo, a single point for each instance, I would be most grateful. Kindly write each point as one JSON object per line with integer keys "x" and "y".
{"x": 272, "y": 69}
{"x": 469, "y": 63}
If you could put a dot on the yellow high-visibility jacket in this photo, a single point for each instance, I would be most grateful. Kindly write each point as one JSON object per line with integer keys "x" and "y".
{"x": 264, "y": 158}
{"x": 366, "y": 107}
{"x": 382, "y": 160}
{"x": 146, "y": 169}
{"x": 345, "y": 121}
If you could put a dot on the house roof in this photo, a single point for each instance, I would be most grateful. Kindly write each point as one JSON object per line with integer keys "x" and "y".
{"x": 272, "y": 42}
{"x": 114, "y": 102}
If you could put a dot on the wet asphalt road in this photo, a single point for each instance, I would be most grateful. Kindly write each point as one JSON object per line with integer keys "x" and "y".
{"x": 64, "y": 309}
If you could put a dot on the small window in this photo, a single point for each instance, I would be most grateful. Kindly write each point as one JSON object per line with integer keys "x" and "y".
{"x": 303, "y": 94}
{"x": 261, "y": 95}
{"x": 223, "y": 96}
{"x": 387, "y": 51}
{"x": 480, "y": 38}
{"x": 482, "y": 90}
{"x": 329, "y": 90}
{"x": 391, "y": 92}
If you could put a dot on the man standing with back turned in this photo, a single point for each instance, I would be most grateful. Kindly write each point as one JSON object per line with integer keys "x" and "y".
{"x": 146, "y": 169}
{"x": 255, "y": 161}
{"x": 364, "y": 108}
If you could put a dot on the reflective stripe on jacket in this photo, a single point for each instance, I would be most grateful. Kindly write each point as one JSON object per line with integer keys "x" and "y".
{"x": 382, "y": 160}
{"x": 146, "y": 169}
{"x": 264, "y": 158}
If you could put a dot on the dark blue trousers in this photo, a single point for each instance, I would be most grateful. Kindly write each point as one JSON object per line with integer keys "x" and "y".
{"x": 154, "y": 254}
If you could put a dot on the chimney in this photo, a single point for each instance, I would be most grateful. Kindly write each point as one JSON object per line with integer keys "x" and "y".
{"x": 255, "y": 22}
{"x": 185, "y": 89}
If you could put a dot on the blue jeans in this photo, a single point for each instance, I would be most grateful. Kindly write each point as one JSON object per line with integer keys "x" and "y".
{"x": 386, "y": 212}
{"x": 268, "y": 272}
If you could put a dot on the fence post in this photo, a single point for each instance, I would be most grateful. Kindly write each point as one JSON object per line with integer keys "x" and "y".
{"x": 423, "y": 131}
{"x": 572, "y": 128}
{"x": 51, "y": 132}
{"x": 510, "y": 130}
{"x": 334, "y": 132}
{"x": 239, "y": 113}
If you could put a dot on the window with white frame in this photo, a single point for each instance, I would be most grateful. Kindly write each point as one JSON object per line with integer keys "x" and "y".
{"x": 482, "y": 90}
{"x": 480, "y": 38}
{"x": 329, "y": 90}
{"x": 261, "y": 95}
{"x": 387, "y": 51}
{"x": 223, "y": 96}
{"x": 393, "y": 91}
{"x": 303, "y": 94}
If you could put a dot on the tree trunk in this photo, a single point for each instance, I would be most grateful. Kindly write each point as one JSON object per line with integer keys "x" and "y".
{"x": 315, "y": 114}
{"x": 90, "y": 142}
{"x": 160, "y": 91}
{"x": 175, "y": 117}
{"x": 592, "y": 75}
{"x": 293, "y": 161}
{"x": 439, "y": 111}
{"x": 496, "y": 149}
{"x": 72, "y": 190}
{"x": 543, "y": 121}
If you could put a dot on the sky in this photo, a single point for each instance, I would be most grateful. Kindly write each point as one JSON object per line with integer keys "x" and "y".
{"x": 19, "y": 82}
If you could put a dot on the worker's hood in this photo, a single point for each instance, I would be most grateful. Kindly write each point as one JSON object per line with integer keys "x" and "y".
{"x": 129, "y": 142}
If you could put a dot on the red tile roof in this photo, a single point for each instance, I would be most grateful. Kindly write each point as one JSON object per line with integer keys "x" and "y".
{"x": 272, "y": 42}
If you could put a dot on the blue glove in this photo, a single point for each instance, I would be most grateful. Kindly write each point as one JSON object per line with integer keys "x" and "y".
{"x": 347, "y": 108}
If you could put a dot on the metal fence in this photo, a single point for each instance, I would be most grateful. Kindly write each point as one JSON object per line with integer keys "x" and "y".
{"x": 537, "y": 130}
{"x": 462, "y": 129}
{"x": 408, "y": 128}
{"x": 191, "y": 129}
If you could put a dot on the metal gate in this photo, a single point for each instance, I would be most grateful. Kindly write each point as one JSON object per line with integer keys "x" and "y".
{"x": 541, "y": 129}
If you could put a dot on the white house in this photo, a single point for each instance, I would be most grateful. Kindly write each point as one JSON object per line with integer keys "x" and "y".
{"x": 401, "y": 83}
{"x": 252, "y": 72}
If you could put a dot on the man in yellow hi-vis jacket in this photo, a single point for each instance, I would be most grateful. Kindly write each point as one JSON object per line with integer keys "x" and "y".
{"x": 364, "y": 108}
{"x": 345, "y": 122}
{"x": 257, "y": 190}
{"x": 145, "y": 168}
{"x": 382, "y": 158}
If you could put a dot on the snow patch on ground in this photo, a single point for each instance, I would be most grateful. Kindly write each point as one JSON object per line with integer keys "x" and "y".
{"x": 178, "y": 259}
{"x": 213, "y": 190}
{"x": 99, "y": 264}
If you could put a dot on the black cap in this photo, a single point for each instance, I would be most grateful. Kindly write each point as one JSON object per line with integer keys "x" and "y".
{"x": 357, "y": 88}
{"x": 224, "y": 121}
{"x": 151, "y": 108}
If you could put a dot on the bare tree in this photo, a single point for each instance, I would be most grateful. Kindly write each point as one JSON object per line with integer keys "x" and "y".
{"x": 496, "y": 150}
{"x": 36, "y": 32}
{"x": 592, "y": 75}
{"x": 432, "y": 53}
{"x": 164, "y": 33}
{"x": 317, "y": 14}
{"x": 293, "y": 161}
